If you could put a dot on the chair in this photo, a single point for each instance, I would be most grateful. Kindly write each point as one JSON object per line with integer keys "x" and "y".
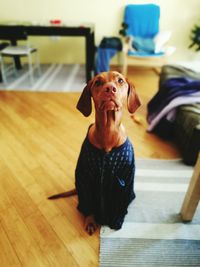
{"x": 16, "y": 51}
{"x": 143, "y": 43}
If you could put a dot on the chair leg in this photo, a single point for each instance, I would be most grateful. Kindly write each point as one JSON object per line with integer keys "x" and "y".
{"x": 30, "y": 68}
{"x": 38, "y": 63}
{"x": 124, "y": 64}
{"x": 3, "y": 72}
{"x": 14, "y": 67}
{"x": 192, "y": 196}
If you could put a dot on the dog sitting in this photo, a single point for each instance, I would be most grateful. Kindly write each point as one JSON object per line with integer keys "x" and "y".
{"x": 104, "y": 175}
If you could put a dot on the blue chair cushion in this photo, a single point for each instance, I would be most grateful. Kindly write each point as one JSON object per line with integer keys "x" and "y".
{"x": 142, "y": 20}
{"x": 145, "y": 54}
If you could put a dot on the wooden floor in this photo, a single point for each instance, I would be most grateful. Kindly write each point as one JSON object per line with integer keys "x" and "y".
{"x": 40, "y": 139}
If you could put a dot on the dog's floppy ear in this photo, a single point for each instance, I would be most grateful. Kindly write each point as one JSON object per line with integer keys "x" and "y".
{"x": 133, "y": 101}
{"x": 84, "y": 104}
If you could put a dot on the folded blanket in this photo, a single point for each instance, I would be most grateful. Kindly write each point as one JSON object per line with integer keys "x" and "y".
{"x": 143, "y": 44}
{"x": 178, "y": 86}
{"x": 169, "y": 90}
{"x": 170, "y": 108}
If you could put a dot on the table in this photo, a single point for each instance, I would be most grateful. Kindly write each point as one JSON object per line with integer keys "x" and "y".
{"x": 85, "y": 30}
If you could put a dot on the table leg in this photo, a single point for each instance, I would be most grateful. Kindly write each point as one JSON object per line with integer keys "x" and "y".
{"x": 192, "y": 196}
{"x": 90, "y": 52}
{"x": 16, "y": 58}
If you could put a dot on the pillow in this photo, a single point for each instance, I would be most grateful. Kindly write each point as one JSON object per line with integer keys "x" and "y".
{"x": 160, "y": 40}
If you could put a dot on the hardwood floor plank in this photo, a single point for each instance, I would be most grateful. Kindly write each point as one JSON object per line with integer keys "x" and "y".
{"x": 23, "y": 243}
{"x": 30, "y": 216}
{"x": 70, "y": 236}
{"x": 5, "y": 202}
{"x": 49, "y": 242}
{"x": 8, "y": 255}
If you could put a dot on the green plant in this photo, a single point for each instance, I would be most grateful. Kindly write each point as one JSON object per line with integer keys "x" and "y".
{"x": 195, "y": 38}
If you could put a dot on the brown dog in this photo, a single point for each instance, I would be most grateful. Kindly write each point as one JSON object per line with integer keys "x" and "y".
{"x": 105, "y": 168}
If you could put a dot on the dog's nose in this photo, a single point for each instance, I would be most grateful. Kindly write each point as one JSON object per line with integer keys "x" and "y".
{"x": 110, "y": 89}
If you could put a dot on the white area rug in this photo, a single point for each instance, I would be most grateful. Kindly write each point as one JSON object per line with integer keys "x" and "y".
{"x": 54, "y": 77}
{"x": 153, "y": 233}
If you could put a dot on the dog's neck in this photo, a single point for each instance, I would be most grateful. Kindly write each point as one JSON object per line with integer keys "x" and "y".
{"x": 107, "y": 131}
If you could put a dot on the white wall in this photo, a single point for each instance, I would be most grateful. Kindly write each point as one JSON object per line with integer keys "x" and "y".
{"x": 176, "y": 15}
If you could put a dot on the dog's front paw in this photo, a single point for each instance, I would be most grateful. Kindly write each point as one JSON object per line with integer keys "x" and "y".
{"x": 90, "y": 225}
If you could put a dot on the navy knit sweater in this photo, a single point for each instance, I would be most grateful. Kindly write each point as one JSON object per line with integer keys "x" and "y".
{"x": 104, "y": 182}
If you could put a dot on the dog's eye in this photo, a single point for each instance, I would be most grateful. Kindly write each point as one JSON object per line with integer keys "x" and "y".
{"x": 120, "y": 80}
{"x": 98, "y": 83}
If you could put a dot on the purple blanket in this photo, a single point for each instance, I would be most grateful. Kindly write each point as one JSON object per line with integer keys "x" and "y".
{"x": 171, "y": 89}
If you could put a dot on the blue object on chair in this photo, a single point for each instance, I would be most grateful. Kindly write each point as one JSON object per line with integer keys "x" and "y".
{"x": 144, "y": 47}
{"x": 103, "y": 58}
{"x": 108, "y": 48}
